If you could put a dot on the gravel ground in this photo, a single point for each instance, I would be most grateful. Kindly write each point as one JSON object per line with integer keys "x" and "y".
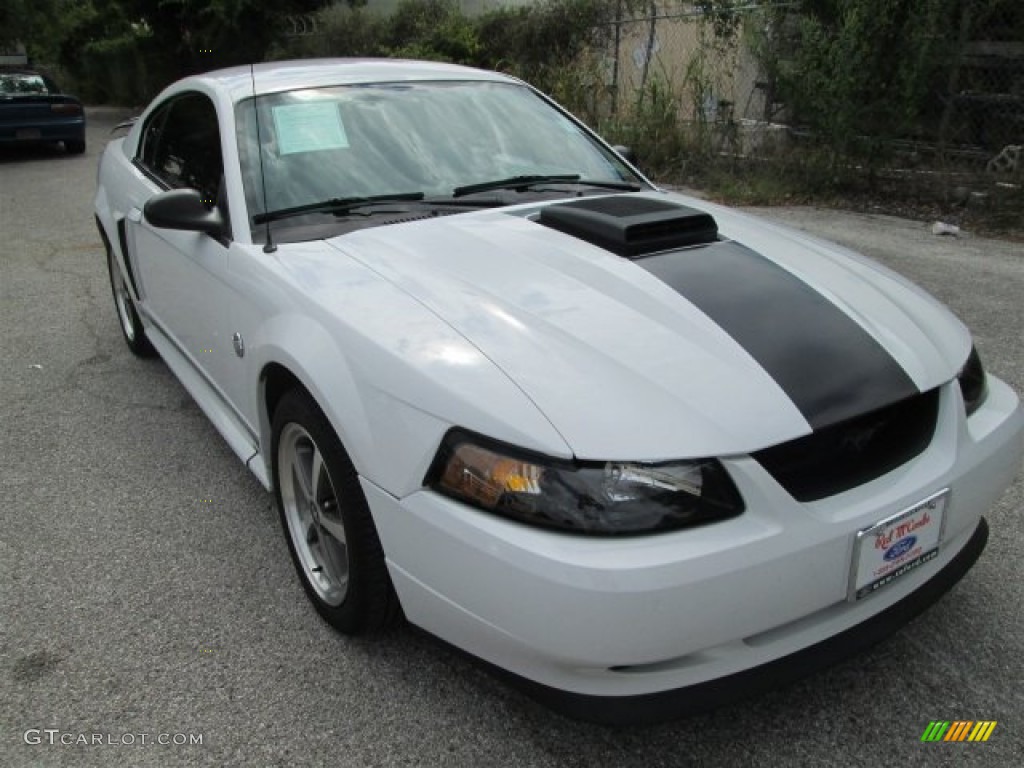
{"x": 145, "y": 586}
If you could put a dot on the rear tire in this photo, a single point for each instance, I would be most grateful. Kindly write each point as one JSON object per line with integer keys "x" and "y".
{"x": 128, "y": 318}
{"x": 327, "y": 522}
{"x": 75, "y": 147}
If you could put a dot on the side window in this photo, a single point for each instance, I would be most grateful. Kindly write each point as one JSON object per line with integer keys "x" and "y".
{"x": 151, "y": 136}
{"x": 183, "y": 149}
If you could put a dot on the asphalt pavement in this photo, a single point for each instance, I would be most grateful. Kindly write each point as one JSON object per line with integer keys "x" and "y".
{"x": 146, "y": 594}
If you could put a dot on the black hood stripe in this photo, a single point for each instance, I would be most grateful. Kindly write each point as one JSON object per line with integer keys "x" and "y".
{"x": 829, "y": 366}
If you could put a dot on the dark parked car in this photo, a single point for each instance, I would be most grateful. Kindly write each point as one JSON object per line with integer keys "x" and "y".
{"x": 33, "y": 110}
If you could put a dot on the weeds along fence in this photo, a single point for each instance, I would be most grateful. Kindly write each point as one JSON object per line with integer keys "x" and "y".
{"x": 921, "y": 99}
{"x": 916, "y": 101}
{"x": 682, "y": 85}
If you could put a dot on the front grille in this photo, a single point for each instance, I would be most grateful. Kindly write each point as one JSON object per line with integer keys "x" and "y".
{"x": 854, "y": 451}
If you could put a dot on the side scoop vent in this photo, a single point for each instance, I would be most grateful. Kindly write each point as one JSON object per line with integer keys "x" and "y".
{"x": 631, "y": 226}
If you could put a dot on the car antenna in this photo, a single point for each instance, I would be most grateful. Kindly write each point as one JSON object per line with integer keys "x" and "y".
{"x": 269, "y": 247}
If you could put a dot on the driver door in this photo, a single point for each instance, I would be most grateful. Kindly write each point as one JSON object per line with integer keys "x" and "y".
{"x": 183, "y": 275}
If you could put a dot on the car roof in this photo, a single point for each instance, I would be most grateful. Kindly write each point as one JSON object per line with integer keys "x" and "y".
{"x": 277, "y": 76}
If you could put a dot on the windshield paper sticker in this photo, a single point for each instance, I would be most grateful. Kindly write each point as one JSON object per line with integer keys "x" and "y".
{"x": 309, "y": 127}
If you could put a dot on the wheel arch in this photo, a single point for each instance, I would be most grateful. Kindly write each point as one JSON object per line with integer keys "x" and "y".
{"x": 388, "y": 398}
{"x": 280, "y": 372}
{"x": 275, "y": 381}
{"x": 104, "y": 236}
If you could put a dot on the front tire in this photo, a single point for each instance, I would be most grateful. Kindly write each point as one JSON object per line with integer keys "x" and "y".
{"x": 127, "y": 316}
{"x": 327, "y": 522}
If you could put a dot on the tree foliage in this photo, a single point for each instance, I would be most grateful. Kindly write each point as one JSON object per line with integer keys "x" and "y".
{"x": 853, "y": 68}
{"x": 541, "y": 43}
{"x": 128, "y": 49}
{"x": 30, "y": 23}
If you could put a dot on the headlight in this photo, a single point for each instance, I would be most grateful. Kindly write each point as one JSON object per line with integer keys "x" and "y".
{"x": 599, "y": 498}
{"x": 973, "y": 384}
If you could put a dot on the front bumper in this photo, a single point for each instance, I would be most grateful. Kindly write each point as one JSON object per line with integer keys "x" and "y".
{"x": 639, "y": 624}
{"x": 665, "y": 705}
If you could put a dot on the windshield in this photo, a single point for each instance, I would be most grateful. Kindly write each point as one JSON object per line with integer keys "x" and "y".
{"x": 432, "y": 138}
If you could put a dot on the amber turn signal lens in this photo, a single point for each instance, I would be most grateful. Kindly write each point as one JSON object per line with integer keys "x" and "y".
{"x": 600, "y": 498}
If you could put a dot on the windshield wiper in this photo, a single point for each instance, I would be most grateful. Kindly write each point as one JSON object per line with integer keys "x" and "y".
{"x": 525, "y": 182}
{"x": 339, "y": 206}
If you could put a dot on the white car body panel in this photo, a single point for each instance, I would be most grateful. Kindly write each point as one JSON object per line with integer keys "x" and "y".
{"x": 687, "y": 606}
{"x": 392, "y": 381}
{"x": 494, "y": 323}
{"x": 628, "y": 350}
{"x": 918, "y": 331}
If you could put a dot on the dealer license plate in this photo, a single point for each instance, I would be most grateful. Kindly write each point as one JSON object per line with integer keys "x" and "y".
{"x": 897, "y": 545}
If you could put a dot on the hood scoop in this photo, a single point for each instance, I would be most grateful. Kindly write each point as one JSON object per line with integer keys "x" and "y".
{"x": 630, "y": 225}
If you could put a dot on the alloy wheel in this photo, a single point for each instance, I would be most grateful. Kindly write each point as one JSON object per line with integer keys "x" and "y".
{"x": 311, "y": 509}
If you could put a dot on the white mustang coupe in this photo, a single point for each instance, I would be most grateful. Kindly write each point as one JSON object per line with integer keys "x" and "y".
{"x": 636, "y": 451}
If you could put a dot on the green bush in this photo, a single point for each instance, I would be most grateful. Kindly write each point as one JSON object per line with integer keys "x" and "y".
{"x": 541, "y": 43}
{"x": 863, "y": 68}
{"x": 344, "y": 31}
{"x": 651, "y": 127}
{"x": 115, "y": 71}
{"x": 435, "y": 30}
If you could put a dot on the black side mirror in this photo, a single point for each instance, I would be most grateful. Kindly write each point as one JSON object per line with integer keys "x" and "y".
{"x": 184, "y": 209}
{"x": 627, "y": 153}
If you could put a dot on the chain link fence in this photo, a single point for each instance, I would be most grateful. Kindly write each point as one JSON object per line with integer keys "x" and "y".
{"x": 914, "y": 104}
{"x": 927, "y": 103}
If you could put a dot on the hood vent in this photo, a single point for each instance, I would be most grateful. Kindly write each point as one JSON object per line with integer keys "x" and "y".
{"x": 631, "y": 226}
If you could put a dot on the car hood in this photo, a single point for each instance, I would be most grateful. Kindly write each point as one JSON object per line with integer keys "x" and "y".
{"x": 629, "y": 360}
